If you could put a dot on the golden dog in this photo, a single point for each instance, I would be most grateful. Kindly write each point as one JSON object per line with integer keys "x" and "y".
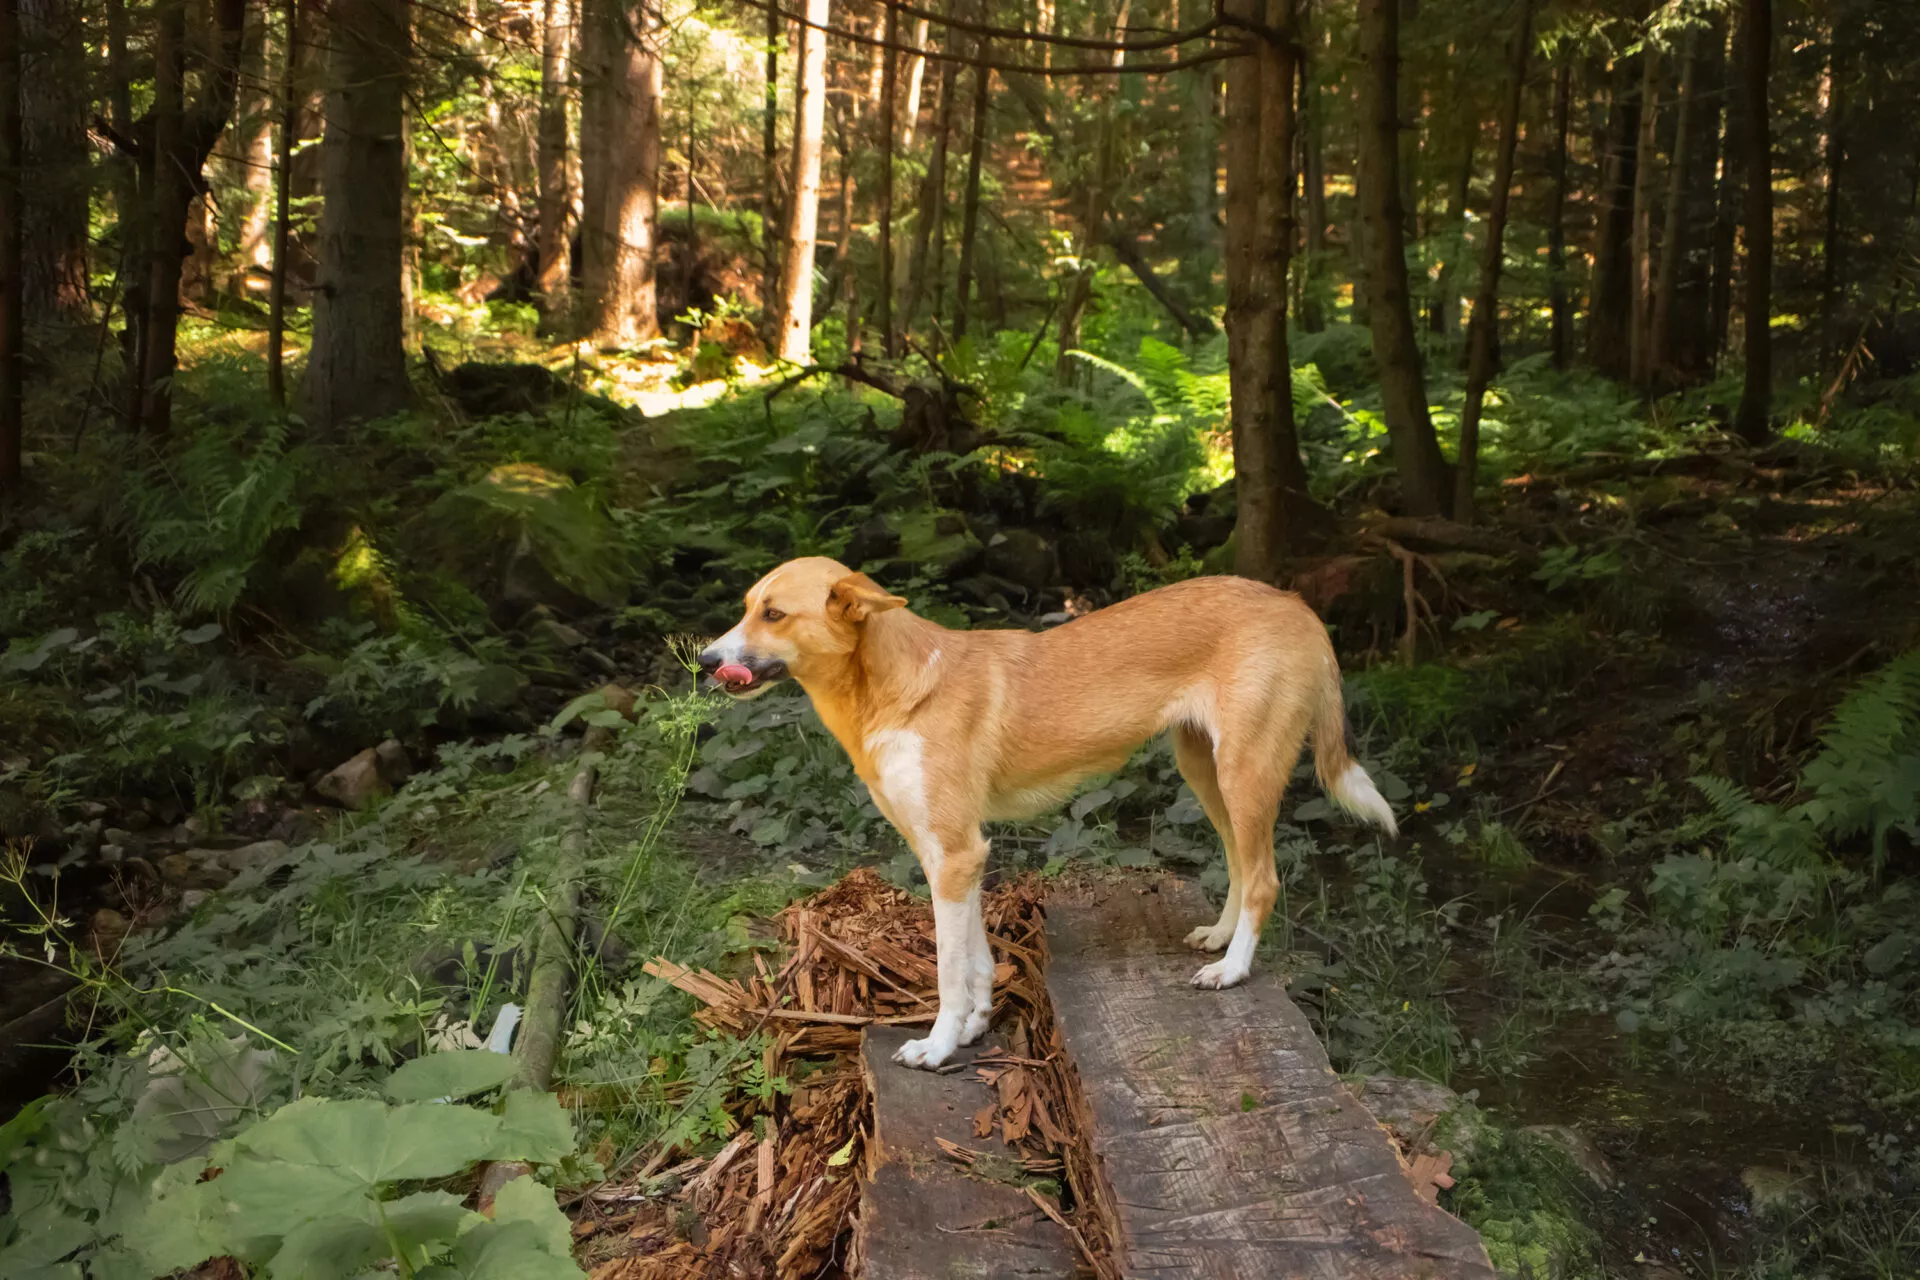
{"x": 950, "y": 729}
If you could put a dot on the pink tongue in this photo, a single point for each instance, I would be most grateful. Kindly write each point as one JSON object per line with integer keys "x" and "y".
{"x": 733, "y": 673}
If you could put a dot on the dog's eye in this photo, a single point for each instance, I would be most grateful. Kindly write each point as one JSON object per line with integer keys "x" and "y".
{"x": 772, "y": 614}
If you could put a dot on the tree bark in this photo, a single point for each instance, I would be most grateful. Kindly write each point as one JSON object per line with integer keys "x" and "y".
{"x": 357, "y": 368}
{"x": 1443, "y": 307}
{"x": 1753, "y": 419}
{"x": 916, "y": 82}
{"x": 1610, "y": 316}
{"x": 12, "y": 293}
{"x": 1839, "y": 74}
{"x": 1201, "y": 141}
{"x": 291, "y": 97}
{"x": 555, "y": 250}
{"x": 1271, "y": 504}
{"x": 53, "y": 116}
{"x": 803, "y": 214}
{"x": 770, "y": 162}
{"x": 970, "y": 208}
{"x": 626, "y": 304}
{"x": 1558, "y": 291}
{"x": 1424, "y": 482}
{"x": 183, "y": 136}
{"x": 251, "y": 170}
{"x": 1727, "y": 195}
{"x": 1659, "y": 359}
{"x": 1312, "y": 125}
{"x": 889, "y": 71}
{"x": 1640, "y": 327}
{"x": 1484, "y": 329}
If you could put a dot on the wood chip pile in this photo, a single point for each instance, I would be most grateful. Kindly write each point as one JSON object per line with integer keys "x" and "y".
{"x": 779, "y": 1199}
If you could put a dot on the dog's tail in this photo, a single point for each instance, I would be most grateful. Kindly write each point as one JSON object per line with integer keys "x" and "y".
{"x": 1340, "y": 774}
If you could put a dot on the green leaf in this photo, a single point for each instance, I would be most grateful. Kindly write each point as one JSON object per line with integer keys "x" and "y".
{"x": 374, "y": 1143}
{"x": 454, "y": 1073}
{"x": 533, "y": 1127}
{"x": 201, "y": 634}
{"x": 183, "y": 1224}
{"x": 15, "y": 1132}
{"x": 1312, "y": 809}
{"x": 1087, "y": 803}
{"x": 503, "y": 1251}
{"x": 524, "y": 1200}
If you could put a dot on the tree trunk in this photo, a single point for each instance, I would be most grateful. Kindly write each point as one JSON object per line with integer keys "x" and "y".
{"x": 1270, "y": 489}
{"x": 916, "y": 81}
{"x": 53, "y": 126}
{"x": 1424, "y": 482}
{"x": 1641, "y": 324}
{"x": 626, "y": 305}
{"x": 1659, "y": 360}
{"x": 1727, "y": 195}
{"x": 1830, "y": 243}
{"x": 889, "y": 71}
{"x": 555, "y": 252}
{"x": 1201, "y": 141}
{"x": 357, "y": 368}
{"x": 1753, "y": 418}
{"x": 803, "y": 214}
{"x": 1558, "y": 291}
{"x": 1443, "y": 309}
{"x": 1484, "y": 329}
{"x": 12, "y": 294}
{"x": 291, "y": 96}
{"x": 1312, "y": 124}
{"x": 182, "y": 137}
{"x": 251, "y": 171}
{"x": 933, "y": 199}
{"x": 970, "y": 208}
{"x": 600, "y": 43}
{"x": 770, "y": 162}
{"x": 1610, "y": 316}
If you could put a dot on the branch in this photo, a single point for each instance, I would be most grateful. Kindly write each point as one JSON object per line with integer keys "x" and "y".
{"x": 1199, "y": 325}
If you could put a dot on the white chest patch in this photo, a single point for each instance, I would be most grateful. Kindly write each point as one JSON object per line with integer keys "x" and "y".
{"x": 901, "y": 779}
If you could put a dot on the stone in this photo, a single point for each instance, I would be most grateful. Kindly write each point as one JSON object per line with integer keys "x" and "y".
{"x": 1023, "y": 558}
{"x": 112, "y": 854}
{"x": 118, "y": 835}
{"x": 391, "y": 758}
{"x": 558, "y": 634}
{"x": 500, "y": 687}
{"x": 1578, "y": 1148}
{"x": 136, "y": 820}
{"x": 107, "y": 929}
{"x": 598, "y": 661}
{"x": 192, "y": 898}
{"x": 91, "y": 810}
{"x": 1775, "y": 1193}
{"x": 196, "y": 868}
{"x": 355, "y": 784}
{"x": 250, "y": 857}
{"x": 619, "y": 698}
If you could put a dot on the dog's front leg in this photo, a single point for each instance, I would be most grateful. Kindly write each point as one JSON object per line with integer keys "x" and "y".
{"x": 953, "y": 870}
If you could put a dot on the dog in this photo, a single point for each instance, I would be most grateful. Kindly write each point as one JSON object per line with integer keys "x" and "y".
{"x": 950, "y": 729}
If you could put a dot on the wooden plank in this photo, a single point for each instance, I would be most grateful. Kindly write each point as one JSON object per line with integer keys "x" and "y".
{"x": 921, "y": 1217}
{"x": 1230, "y": 1147}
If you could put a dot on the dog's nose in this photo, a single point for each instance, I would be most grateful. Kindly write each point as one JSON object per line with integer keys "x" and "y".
{"x": 709, "y": 661}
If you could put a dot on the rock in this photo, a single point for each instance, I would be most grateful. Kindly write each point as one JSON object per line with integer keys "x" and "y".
{"x": 1775, "y": 1193}
{"x": 106, "y": 930}
{"x": 500, "y": 687}
{"x": 1207, "y": 520}
{"x": 619, "y": 698}
{"x": 118, "y": 835}
{"x": 112, "y": 854}
{"x": 484, "y": 389}
{"x": 1023, "y": 558}
{"x": 598, "y": 661}
{"x": 873, "y": 540}
{"x": 555, "y": 633}
{"x": 260, "y": 853}
{"x": 1405, "y": 1105}
{"x": 136, "y": 820}
{"x": 391, "y": 759}
{"x": 1578, "y": 1148}
{"x": 196, "y": 868}
{"x": 355, "y": 784}
{"x": 91, "y": 810}
{"x": 190, "y": 900}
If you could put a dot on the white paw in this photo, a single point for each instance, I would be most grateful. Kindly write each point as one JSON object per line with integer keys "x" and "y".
{"x": 976, "y": 1025}
{"x": 1218, "y": 976}
{"x": 929, "y": 1053}
{"x": 1210, "y": 937}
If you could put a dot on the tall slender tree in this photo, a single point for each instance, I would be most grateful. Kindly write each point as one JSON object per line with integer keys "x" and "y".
{"x": 1483, "y": 330}
{"x": 1560, "y": 302}
{"x": 357, "y": 367}
{"x": 1425, "y": 484}
{"x": 1673, "y": 237}
{"x": 1753, "y": 418}
{"x": 554, "y": 253}
{"x": 53, "y": 130}
{"x": 970, "y": 202}
{"x": 12, "y": 299}
{"x": 292, "y": 98}
{"x": 803, "y": 214}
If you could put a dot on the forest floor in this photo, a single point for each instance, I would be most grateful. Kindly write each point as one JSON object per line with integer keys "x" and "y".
{"x": 1674, "y": 1020}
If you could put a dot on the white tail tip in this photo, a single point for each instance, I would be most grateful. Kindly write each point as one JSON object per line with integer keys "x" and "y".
{"x": 1355, "y": 792}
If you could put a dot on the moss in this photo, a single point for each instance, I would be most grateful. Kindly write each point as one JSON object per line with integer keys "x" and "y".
{"x": 1527, "y": 1199}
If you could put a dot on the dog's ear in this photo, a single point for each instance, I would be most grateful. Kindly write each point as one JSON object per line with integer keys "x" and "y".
{"x": 856, "y": 597}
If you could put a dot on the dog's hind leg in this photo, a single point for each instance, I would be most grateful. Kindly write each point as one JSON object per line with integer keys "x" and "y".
{"x": 1254, "y": 768}
{"x": 1193, "y": 753}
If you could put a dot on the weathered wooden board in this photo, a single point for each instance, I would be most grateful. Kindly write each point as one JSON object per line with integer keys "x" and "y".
{"x": 921, "y": 1217}
{"x": 1231, "y": 1149}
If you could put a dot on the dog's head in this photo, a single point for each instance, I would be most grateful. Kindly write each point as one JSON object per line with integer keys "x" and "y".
{"x": 804, "y": 614}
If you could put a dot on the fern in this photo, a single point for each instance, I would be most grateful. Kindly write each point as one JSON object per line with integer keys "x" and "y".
{"x": 212, "y": 509}
{"x": 521, "y": 506}
{"x": 1867, "y": 775}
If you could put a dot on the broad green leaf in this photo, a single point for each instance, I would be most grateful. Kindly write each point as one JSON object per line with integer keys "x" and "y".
{"x": 182, "y": 1225}
{"x": 15, "y": 1132}
{"x": 269, "y": 1198}
{"x": 455, "y": 1073}
{"x": 372, "y": 1142}
{"x": 533, "y": 1127}
{"x": 329, "y": 1249}
{"x": 201, "y": 634}
{"x": 503, "y": 1251}
{"x": 43, "y": 1243}
{"x": 524, "y": 1200}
